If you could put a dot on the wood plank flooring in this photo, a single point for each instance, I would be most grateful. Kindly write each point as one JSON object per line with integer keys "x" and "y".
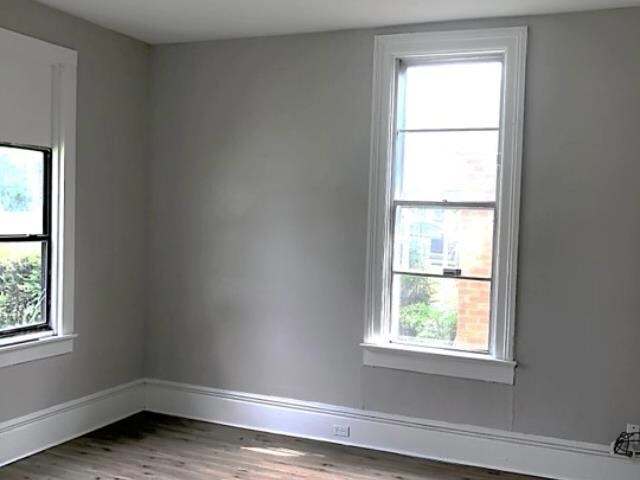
{"x": 151, "y": 446}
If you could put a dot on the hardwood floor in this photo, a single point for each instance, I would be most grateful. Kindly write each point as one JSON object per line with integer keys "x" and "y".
{"x": 161, "y": 447}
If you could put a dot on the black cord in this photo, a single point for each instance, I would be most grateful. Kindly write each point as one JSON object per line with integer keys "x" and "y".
{"x": 627, "y": 444}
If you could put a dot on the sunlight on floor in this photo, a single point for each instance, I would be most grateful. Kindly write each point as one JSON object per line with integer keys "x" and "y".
{"x": 277, "y": 452}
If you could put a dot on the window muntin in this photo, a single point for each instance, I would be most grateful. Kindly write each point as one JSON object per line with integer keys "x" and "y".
{"x": 444, "y": 200}
{"x": 25, "y": 239}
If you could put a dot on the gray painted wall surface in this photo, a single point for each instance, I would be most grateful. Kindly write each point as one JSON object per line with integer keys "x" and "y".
{"x": 258, "y": 224}
{"x": 111, "y": 214}
{"x": 258, "y": 228}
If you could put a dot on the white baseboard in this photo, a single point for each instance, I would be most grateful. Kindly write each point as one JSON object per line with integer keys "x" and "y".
{"x": 468, "y": 445}
{"x": 24, "y": 436}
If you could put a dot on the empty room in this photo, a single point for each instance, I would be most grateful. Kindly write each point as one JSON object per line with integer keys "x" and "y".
{"x": 319, "y": 240}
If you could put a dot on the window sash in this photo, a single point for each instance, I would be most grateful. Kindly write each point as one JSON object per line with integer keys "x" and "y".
{"x": 397, "y": 155}
{"x": 44, "y": 238}
{"x": 437, "y": 205}
{"x": 392, "y": 335}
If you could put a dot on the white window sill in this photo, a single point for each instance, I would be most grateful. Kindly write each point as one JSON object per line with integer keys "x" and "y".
{"x": 30, "y": 350}
{"x": 439, "y": 362}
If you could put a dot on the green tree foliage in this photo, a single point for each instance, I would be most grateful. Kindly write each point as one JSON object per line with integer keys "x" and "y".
{"x": 426, "y": 322}
{"x": 20, "y": 291}
{"x": 422, "y": 320}
{"x": 414, "y": 290}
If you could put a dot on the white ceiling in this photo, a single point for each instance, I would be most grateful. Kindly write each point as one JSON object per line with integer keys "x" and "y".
{"x": 169, "y": 21}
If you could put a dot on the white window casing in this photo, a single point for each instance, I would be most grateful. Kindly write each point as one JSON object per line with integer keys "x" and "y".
{"x": 50, "y": 122}
{"x": 498, "y": 364}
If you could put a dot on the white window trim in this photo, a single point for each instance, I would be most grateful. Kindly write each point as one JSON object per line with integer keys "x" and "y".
{"x": 63, "y": 63}
{"x": 498, "y": 365}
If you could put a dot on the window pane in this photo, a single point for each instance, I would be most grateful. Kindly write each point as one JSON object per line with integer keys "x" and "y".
{"x": 441, "y": 312}
{"x": 22, "y": 285}
{"x": 428, "y": 240}
{"x": 451, "y": 166}
{"x": 453, "y": 95}
{"x": 21, "y": 191}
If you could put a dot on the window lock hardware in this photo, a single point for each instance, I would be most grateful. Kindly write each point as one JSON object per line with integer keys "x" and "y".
{"x": 452, "y": 272}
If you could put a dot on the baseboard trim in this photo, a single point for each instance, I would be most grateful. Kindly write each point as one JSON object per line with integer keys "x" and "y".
{"x": 24, "y": 436}
{"x": 464, "y": 444}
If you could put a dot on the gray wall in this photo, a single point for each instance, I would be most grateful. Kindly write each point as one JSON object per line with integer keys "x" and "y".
{"x": 111, "y": 215}
{"x": 258, "y": 227}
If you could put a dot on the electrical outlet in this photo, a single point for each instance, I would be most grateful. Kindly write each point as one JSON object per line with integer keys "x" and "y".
{"x": 635, "y": 439}
{"x": 341, "y": 431}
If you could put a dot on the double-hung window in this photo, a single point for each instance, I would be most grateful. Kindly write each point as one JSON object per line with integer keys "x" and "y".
{"x": 444, "y": 201}
{"x": 37, "y": 198}
{"x": 25, "y": 240}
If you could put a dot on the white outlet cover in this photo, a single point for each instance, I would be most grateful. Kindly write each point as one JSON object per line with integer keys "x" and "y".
{"x": 341, "y": 431}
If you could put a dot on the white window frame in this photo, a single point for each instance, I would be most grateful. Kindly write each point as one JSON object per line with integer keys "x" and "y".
{"x": 63, "y": 64}
{"x": 498, "y": 364}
